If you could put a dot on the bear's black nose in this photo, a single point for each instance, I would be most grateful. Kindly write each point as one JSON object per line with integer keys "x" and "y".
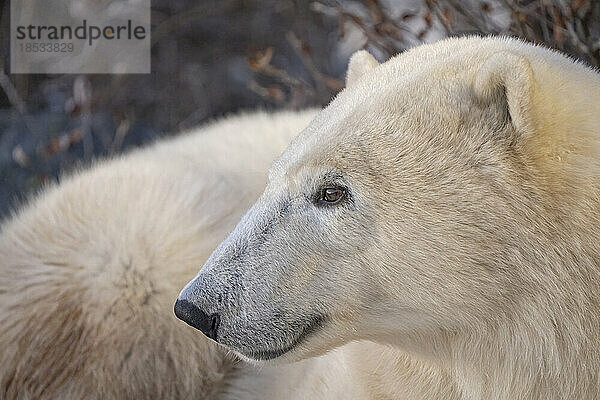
{"x": 194, "y": 316}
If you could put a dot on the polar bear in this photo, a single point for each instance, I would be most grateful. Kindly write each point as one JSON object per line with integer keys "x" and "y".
{"x": 89, "y": 270}
{"x": 446, "y": 202}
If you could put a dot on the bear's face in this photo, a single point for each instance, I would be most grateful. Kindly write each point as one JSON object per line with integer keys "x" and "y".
{"x": 390, "y": 218}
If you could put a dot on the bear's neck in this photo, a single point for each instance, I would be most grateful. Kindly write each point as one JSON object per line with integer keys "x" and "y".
{"x": 544, "y": 344}
{"x": 541, "y": 358}
{"x": 543, "y": 351}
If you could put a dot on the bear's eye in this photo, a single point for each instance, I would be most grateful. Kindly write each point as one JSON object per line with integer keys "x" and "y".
{"x": 331, "y": 195}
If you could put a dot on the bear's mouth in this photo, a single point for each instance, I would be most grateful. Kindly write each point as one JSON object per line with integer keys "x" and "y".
{"x": 313, "y": 325}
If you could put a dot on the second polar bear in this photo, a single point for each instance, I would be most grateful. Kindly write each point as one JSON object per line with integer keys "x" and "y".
{"x": 447, "y": 202}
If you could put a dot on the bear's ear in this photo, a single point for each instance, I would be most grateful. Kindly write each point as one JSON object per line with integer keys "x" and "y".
{"x": 360, "y": 63}
{"x": 507, "y": 78}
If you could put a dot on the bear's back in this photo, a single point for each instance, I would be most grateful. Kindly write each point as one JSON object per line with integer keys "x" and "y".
{"x": 91, "y": 267}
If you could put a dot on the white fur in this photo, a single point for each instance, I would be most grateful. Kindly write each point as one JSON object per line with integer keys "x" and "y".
{"x": 360, "y": 63}
{"x": 90, "y": 270}
{"x": 469, "y": 232}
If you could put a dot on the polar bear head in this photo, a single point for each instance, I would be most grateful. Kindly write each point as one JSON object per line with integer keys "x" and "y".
{"x": 424, "y": 202}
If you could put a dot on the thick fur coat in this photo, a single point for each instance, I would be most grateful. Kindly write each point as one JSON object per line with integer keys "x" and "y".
{"x": 90, "y": 268}
{"x": 447, "y": 203}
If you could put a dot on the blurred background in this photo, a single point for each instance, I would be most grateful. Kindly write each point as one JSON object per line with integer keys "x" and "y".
{"x": 214, "y": 57}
